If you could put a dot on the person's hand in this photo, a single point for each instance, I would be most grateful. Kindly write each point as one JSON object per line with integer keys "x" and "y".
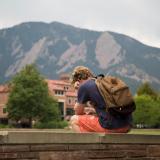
{"x": 89, "y": 110}
{"x": 79, "y": 109}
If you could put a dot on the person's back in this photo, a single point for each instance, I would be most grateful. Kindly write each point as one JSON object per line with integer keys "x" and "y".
{"x": 89, "y": 91}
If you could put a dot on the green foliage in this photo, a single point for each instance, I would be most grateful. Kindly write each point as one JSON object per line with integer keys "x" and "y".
{"x": 4, "y": 126}
{"x": 29, "y": 97}
{"x": 148, "y": 106}
{"x": 51, "y": 124}
{"x": 146, "y": 89}
{"x": 147, "y": 111}
{"x": 51, "y": 112}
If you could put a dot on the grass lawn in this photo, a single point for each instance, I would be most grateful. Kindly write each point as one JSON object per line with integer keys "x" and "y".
{"x": 133, "y": 131}
{"x": 145, "y": 131}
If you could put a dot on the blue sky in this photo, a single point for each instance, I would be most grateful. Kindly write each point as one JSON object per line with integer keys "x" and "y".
{"x": 137, "y": 18}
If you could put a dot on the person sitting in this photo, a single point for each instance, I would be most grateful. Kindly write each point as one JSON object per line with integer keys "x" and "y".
{"x": 103, "y": 121}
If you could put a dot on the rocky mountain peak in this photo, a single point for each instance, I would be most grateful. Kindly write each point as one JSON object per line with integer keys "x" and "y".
{"x": 57, "y": 48}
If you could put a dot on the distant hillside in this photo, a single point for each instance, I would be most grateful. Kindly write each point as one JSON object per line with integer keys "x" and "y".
{"x": 56, "y": 48}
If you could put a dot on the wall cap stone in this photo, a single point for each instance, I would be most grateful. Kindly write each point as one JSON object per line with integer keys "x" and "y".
{"x": 59, "y": 137}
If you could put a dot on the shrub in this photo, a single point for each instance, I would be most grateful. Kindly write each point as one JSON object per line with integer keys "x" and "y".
{"x": 51, "y": 124}
{"x": 147, "y": 112}
{"x": 4, "y": 126}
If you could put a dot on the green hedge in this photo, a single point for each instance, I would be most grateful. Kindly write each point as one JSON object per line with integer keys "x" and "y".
{"x": 51, "y": 124}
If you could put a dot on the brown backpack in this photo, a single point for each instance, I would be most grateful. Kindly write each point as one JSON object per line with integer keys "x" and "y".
{"x": 116, "y": 94}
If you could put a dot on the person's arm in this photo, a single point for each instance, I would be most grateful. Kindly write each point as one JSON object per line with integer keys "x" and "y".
{"x": 79, "y": 109}
{"x": 82, "y": 98}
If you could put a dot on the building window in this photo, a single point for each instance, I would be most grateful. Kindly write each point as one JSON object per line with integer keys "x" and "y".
{"x": 61, "y": 92}
{"x": 4, "y": 110}
{"x": 69, "y": 101}
{"x": 58, "y": 92}
{"x": 65, "y": 88}
{"x": 70, "y": 111}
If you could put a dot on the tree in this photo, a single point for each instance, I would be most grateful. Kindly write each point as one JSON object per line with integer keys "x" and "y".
{"x": 147, "y": 111}
{"x": 146, "y": 89}
{"x": 29, "y": 98}
{"x": 148, "y": 104}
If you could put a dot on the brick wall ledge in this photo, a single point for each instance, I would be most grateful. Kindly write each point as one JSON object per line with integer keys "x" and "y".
{"x": 61, "y": 137}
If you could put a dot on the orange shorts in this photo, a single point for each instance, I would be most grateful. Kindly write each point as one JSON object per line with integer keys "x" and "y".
{"x": 90, "y": 123}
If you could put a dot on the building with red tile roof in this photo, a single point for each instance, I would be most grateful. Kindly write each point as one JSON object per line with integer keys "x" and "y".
{"x": 61, "y": 90}
{"x": 65, "y": 95}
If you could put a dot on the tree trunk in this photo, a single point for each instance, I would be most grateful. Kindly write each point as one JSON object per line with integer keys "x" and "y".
{"x": 30, "y": 122}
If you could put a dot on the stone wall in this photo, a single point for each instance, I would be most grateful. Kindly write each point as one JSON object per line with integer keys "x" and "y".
{"x": 54, "y": 145}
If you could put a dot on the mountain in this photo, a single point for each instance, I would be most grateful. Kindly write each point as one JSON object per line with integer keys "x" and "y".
{"x": 57, "y": 48}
